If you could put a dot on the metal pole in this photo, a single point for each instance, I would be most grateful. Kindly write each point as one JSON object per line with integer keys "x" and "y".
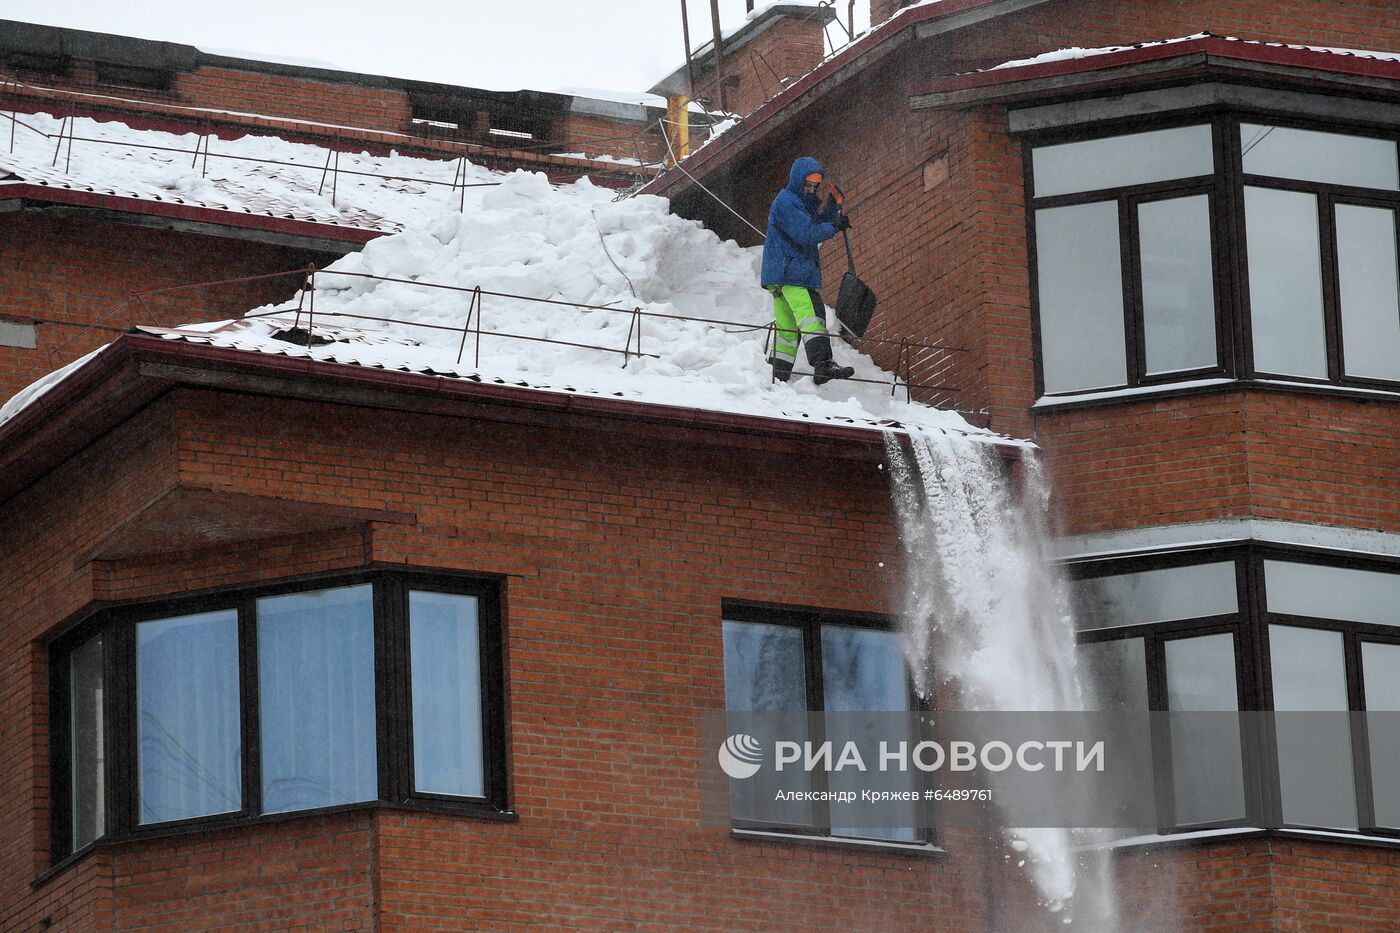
{"x": 689, "y": 66}
{"x": 719, "y": 53}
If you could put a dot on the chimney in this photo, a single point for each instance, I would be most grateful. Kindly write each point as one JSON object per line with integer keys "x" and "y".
{"x": 774, "y": 47}
{"x": 881, "y": 10}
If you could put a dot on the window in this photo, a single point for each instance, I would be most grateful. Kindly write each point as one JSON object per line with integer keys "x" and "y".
{"x": 1178, "y": 635}
{"x": 1125, "y": 274}
{"x": 1140, "y": 281}
{"x": 228, "y": 708}
{"x": 793, "y": 662}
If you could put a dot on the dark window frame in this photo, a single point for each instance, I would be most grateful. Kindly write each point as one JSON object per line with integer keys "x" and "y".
{"x": 810, "y": 623}
{"x": 393, "y": 703}
{"x": 1229, "y": 247}
{"x": 1253, "y": 670}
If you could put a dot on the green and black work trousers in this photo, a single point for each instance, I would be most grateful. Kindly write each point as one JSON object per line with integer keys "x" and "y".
{"x": 798, "y": 312}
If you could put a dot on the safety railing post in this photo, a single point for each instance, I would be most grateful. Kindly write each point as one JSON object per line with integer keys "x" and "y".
{"x": 58, "y": 146}
{"x": 14, "y": 111}
{"x": 311, "y": 309}
{"x": 898, "y": 362}
{"x": 335, "y": 174}
{"x": 480, "y": 312}
{"x": 324, "y": 172}
{"x": 473, "y": 306}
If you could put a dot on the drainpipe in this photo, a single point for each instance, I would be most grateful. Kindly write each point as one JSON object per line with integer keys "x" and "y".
{"x": 678, "y": 105}
{"x": 678, "y": 125}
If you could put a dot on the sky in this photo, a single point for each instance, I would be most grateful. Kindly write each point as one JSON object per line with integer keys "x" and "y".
{"x": 546, "y": 45}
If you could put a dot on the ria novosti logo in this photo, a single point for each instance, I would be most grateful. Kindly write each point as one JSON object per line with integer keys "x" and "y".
{"x": 741, "y": 756}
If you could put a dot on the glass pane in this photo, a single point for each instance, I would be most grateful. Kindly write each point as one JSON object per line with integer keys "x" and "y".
{"x": 1314, "y": 751}
{"x": 445, "y": 660}
{"x": 1135, "y": 159}
{"x": 764, "y": 671}
{"x": 1285, "y": 282}
{"x": 1115, "y": 674}
{"x": 1114, "y": 677}
{"x": 1178, "y": 290}
{"x": 1369, "y": 286}
{"x": 189, "y": 760}
{"x": 1207, "y": 765}
{"x": 316, "y": 689}
{"x": 1332, "y": 592}
{"x": 1309, "y": 155}
{"x": 1156, "y": 595}
{"x": 863, "y": 670}
{"x": 88, "y": 749}
{"x": 1080, "y": 279}
{"x": 763, "y": 667}
{"x": 1380, "y": 666}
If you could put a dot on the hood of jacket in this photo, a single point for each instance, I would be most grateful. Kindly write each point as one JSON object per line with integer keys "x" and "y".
{"x": 801, "y": 168}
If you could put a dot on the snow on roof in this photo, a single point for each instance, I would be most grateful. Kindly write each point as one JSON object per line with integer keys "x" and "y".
{"x": 653, "y": 282}
{"x": 1077, "y": 53}
{"x": 262, "y": 175}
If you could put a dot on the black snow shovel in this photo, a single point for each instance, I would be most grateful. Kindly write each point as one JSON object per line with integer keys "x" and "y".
{"x": 855, "y": 302}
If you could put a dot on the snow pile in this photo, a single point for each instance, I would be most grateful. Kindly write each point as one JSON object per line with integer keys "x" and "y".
{"x": 647, "y": 274}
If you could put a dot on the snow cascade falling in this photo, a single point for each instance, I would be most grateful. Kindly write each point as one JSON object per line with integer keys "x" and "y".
{"x": 978, "y": 577}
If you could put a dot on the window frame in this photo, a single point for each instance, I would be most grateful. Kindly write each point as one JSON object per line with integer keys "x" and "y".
{"x": 1229, "y": 246}
{"x": 392, "y": 697}
{"x": 1253, "y": 671}
{"x": 810, "y": 622}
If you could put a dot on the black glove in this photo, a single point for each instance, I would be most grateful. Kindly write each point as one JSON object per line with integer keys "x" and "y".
{"x": 842, "y": 222}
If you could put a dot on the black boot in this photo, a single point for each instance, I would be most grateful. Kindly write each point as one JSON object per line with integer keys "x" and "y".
{"x": 823, "y": 368}
{"x": 782, "y": 369}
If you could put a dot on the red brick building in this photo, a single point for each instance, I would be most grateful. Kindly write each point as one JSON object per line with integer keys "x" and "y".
{"x": 1173, "y": 266}
{"x": 1206, "y": 347}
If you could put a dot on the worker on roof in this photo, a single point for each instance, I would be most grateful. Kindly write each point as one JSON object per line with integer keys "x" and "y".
{"x": 798, "y": 221}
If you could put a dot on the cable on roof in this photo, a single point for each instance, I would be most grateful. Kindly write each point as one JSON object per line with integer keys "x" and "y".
{"x": 676, "y": 163}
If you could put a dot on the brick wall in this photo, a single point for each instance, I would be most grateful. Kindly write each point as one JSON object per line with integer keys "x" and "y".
{"x": 881, "y": 10}
{"x": 594, "y": 136}
{"x": 69, "y": 273}
{"x": 758, "y": 70}
{"x": 340, "y": 114}
{"x": 616, "y": 560}
{"x": 615, "y": 564}
{"x": 1259, "y": 886}
{"x": 1275, "y": 455}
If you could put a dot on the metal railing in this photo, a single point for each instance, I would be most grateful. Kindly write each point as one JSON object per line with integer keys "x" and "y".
{"x": 202, "y": 150}
{"x": 920, "y": 369}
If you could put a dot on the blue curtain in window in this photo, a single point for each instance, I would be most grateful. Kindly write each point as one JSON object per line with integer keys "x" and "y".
{"x": 187, "y": 718}
{"x": 445, "y": 660}
{"x": 316, "y": 690}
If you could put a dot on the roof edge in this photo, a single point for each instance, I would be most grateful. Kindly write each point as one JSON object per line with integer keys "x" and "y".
{"x": 139, "y": 367}
{"x": 309, "y": 230}
{"x": 938, "y": 90}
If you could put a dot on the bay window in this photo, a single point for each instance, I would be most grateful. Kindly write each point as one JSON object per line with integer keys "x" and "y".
{"x": 1272, "y": 670}
{"x": 230, "y": 707}
{"x": 1227, "y": 247}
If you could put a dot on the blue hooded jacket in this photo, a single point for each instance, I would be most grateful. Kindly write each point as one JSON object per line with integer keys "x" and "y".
{"x": 795, "y": 227}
